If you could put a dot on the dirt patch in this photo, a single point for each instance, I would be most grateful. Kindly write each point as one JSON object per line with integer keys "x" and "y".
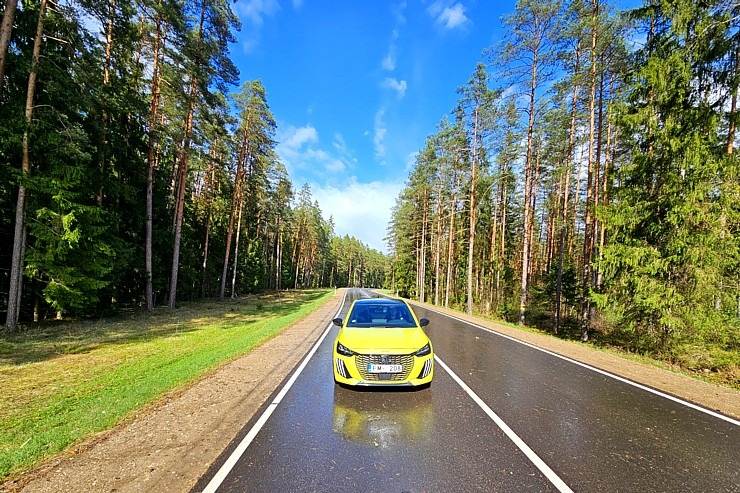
{"x": 169, "y": 447}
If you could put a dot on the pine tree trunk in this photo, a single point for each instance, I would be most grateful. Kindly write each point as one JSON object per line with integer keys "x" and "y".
{"x": 493, "y": 252}
{"x": 471, "y": 218}
{"x": 523, "y": 301}
{"x": 597, "y": 226}
{"x": 451, "y": 246}
{"x": 564, "y": 218}
{"x": 6, "y": 29}
{"x": 588, "y": 234}
{"x": 182, "y": 170}
{"x": 151, "y": 163}
{"x": 236, "y": 203}
{"x": 611, "y": 145}
{"x": 209, "y": 186}
{"x": 576, "y": 202}
{"x": 16, "y": 270}
{"x": 279, "y": 255}
{"x": 423, "y": 259}
{"x": 534, "y": 255}
{"x": 297, "y": 269}
{"x": 236, "y": 249}
{"x": 438, "y": 251}
{"x": 229, "y": 235}
{"x": 180, "y": 200}
{"x": 502, "y": 250}
{"x": 733, "y": 100}
{"x": 105, "y": 117}
{"x": 205, "y": 255}
{"x": 294, "y": 260}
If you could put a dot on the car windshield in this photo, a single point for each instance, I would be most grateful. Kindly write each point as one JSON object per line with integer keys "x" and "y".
{"x": 381, "y": 315}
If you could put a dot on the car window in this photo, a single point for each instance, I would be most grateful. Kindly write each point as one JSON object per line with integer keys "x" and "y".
{"x": 380, "y": 315}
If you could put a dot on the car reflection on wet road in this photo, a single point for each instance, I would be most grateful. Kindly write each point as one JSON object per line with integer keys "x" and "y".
{"x": 382, "y": 419}
{"x": 591, "y": 432}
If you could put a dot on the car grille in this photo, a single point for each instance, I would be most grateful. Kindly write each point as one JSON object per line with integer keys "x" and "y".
{"x": 407, "y": 360}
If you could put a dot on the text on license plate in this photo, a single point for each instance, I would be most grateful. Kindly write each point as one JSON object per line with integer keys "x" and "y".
{"x": 373, "y": 368}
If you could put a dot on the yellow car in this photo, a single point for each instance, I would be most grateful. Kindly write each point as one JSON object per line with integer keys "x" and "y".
{"x": 381, "y": 342}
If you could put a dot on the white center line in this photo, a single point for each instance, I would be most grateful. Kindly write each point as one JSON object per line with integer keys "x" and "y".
{"x": 533, "y": 457}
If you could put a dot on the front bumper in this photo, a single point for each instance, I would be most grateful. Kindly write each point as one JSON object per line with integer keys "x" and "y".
{"x": 353, "y": 370}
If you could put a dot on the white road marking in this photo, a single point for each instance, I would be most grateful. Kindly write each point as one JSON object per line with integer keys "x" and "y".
{"x": 533, "y": 457}
{"x": 597, "y": 370}
{"x": 227, "y": 466}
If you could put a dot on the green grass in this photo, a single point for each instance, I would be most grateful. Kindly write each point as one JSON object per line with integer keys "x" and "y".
{"x": 61, "y": 383}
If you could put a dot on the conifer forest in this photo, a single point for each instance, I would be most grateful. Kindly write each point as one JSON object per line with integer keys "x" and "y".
{"x": 586, "y": 183}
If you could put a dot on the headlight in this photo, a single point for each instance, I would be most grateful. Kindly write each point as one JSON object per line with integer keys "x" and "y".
{"x": 343, "y": 350}
{"x": 424, "y": 351}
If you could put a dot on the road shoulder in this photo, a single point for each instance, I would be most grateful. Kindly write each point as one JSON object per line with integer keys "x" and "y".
{"x": 169, "y": 447}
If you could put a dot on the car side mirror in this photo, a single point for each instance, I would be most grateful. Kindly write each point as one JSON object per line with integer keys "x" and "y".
{"x": 423, "y": 322}
{"x": 337, "y": 322}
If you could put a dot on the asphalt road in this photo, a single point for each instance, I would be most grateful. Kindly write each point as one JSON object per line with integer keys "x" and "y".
{"x": 500, "y": 416}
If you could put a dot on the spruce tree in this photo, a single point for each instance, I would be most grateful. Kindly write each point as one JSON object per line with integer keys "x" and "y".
{"x": 671, "y": 263}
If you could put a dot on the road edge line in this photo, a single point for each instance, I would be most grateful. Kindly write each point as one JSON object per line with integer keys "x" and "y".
{"x": 227, "y": 466}
{"x": 638, "y": 385}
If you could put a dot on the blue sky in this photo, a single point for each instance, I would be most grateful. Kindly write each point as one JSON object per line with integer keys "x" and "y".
{"x": 356, "y": 86}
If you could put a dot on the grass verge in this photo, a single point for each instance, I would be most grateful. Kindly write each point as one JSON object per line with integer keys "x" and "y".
{"x": 61, "y": 383}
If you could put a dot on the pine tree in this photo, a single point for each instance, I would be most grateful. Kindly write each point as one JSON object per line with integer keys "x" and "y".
{"x": 478, "y": 105}
{"x": 16, "y": 273}
{"x": 209, "y": 66}
{"x": 530, "y": 52}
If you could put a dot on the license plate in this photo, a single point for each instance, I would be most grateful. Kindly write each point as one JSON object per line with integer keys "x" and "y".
{"x": 373, "y": 368}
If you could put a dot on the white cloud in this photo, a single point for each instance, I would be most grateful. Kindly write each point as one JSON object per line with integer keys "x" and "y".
{"x": 448, "y": 16}
{"x": 335, "y": 166}
{"x": 339, "y": 143}
{"x": 389, "y": 62}
{"x": 253, "y": 13}
{"x": 411, "y": 161}
{"x": 296, "y": 137}
{"x": 453, "y": 17}
{"x": 346, "y": 155}
{"x": 301, "y": 151}
{"x": 316, "y": 155}
{"x": 398, "y": 10}
{"x": 248, "y": 45}
{"x": 379, "y": 135}
{"x": 294, "y": 146}
{"x": 398, "y": 86}
{"x": 362, "y": 210}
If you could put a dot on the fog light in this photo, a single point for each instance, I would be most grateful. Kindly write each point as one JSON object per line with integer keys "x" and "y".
{"x": 341, "y": 368}
{"x": 427, "y": 369}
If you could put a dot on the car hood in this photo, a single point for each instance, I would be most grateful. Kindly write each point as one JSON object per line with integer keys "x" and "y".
{"x": 382, "y": 340}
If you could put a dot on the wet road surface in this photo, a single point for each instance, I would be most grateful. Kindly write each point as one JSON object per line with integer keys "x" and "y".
{"x": 591, "y": 432}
